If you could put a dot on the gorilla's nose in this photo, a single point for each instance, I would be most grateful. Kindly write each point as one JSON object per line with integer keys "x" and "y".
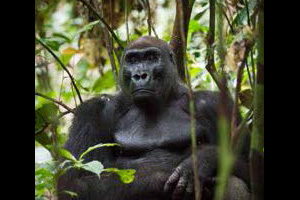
{"x": 141, "y": 78}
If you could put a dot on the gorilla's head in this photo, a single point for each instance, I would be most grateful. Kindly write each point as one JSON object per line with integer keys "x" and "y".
{"x": 148, "y": 71}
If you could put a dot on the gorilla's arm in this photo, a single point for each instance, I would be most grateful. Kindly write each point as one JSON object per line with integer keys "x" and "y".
{"x": 93, "y": 124}
{"x": 90, "y": 126}
{"x": 180, "y": 183}
{"x": 207, "y": 105}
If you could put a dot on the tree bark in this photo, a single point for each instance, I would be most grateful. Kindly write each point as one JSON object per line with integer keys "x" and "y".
{"x": 177, "y": 43}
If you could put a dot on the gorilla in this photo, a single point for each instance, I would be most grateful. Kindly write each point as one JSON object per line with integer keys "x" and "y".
{"x": 150, "y": 119}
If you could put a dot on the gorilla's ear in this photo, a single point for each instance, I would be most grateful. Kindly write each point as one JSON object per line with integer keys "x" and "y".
{"x": 172, "y": 58}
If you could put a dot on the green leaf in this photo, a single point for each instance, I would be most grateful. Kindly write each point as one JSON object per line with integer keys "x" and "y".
{"x": 39, "y": 121}
{"x": 82, "y": 67}
{"x": 200, "y": 14}
{"x": 43, "y": 138}
{"x": 246, "y": 98}
{"x": 195, "y": 26}
{"x": 194, "y": 71}
{"x": 52, "y": 43}
{"x": 64, "y": 58}
{"x": 96, "y": 147}
{"x": 66, "y": 154}
{"x": 47, "y": 112}
{"x": 94, "y": 167}
{"x": 72, "y": 194}
{"x": 104, "y": 82}
{"x": 126, "y": 175}
{"x": 62, "y": 36}
{"x": 86, "y": 27}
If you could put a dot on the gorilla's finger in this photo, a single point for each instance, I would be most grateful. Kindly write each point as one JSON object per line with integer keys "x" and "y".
{"x": 173, "y": 179}
{"x": 189, "y": 188}
{"x": 179, "y": 191}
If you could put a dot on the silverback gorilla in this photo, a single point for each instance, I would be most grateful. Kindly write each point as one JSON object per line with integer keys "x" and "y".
{"x": 150, "y": 120}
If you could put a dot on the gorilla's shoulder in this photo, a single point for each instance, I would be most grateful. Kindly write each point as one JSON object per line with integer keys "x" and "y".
{"x": 96, "y": 107}
{"x": 206, "y": 94}
{"x": 206, "y": 103}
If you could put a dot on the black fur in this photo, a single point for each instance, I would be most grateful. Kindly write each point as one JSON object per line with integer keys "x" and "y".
{"x": 150, "y": 119}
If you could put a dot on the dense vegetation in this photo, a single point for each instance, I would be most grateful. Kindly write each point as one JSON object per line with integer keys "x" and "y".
{"x": 77, "y": 56}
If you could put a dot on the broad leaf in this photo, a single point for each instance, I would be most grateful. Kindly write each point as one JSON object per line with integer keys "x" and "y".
{"x": 126, "y": 175}
{"x": 104, "y": 82}
{"x": 94, "y": 167}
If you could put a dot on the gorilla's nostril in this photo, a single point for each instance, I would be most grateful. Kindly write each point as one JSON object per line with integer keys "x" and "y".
{"x": 144, "y": 76}
{"x": 136, "y": 77}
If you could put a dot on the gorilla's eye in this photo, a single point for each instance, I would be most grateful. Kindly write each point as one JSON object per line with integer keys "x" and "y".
{"x": 132, "y": 58}
{"x": 151, "y": 57}
{"x": 158, "y": 73}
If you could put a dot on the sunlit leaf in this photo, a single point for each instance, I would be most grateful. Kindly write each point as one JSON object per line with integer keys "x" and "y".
{"x": 64, "y": 58}
{"x": 126, "y": 175}
{"x": 66, "y": 154}
{"x": 71, "y": 50}
{"x": 82, "y": 67}
{"x": 200, "y": 14}
{"x": 96, "y": 147}
{"x": 52, "y": 43}
{"x": 94, "y": 167}
{"x": 72, "y": 194}
{"x": 195, "y": 26}
{"x": 104, "y": 82}
{"x": 246, "y": 97}
{"x": 62, "y": 36}
{"x": 87, "y": 27}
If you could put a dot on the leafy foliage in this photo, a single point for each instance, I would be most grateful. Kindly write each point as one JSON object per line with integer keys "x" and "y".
{"x": 96, "y": 167}
{"x": 80, "y": 42}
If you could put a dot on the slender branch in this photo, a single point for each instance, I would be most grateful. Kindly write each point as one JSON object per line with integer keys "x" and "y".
{"x": 177, "y": 42}
{"x": 227, "y": 19}
{"x": 220, "y": 42}
{"x": 150, "y": 24}
{"x": 103, "y": 22}
{"x": 248, "y": 14}
{"x": 249, "y": 75}
{"x": 41, "y": 130}
{"x": 235, "y": 111}
{"x": 63, "y": 66}
{"x": 154, "y": 31}
{"x": 55, "y": 101}
{"x": 73, "y": 95}
{"x": 210, "y": 67}
{"x": 109, "y": 47}
{"x": 253, "y": 67}
{"x": 47, "y": 124}
{"x": 126, "y": 21}
{"x": 63, "y": 114}
{"x": 251, "y": 52}
{"x": 197, "y": 184}
{"x": 149, "y": 17}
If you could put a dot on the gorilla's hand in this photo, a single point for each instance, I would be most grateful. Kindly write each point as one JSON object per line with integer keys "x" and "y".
{"x": 180, "y": 184}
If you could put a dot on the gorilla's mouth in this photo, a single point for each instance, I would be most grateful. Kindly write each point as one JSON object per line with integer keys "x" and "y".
{"x": 142, "y": 91}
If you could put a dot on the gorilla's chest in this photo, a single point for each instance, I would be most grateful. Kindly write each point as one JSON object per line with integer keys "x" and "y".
{"x": 138, "y": 131}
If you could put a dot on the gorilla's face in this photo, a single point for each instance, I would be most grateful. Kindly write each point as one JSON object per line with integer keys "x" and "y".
{"x": 148, "y": 71}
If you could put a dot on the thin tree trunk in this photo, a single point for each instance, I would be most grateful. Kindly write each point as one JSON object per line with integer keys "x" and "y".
{"x": 177, "y": 42}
